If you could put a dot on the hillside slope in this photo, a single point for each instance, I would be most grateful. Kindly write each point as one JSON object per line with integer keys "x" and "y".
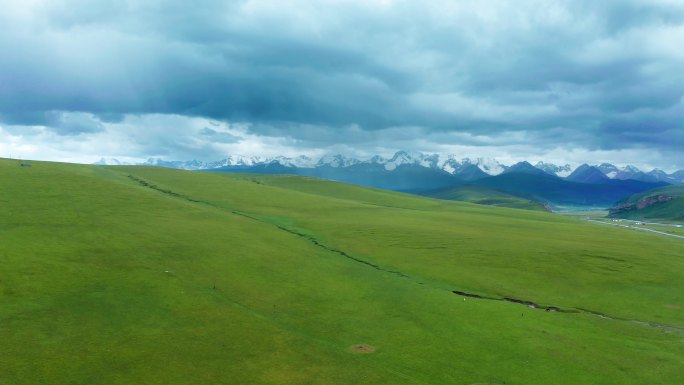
{"x": 121, "y": 275}
{"x": 485, "y": 196}
{"x": 663, "y": 204}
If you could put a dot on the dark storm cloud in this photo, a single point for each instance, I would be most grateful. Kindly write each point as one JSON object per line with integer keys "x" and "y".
{"x": 217, "y": 136}
{"x": 597, "y": 75}
{"x": 646, "y": 128}
{"x": 62, "y": 123}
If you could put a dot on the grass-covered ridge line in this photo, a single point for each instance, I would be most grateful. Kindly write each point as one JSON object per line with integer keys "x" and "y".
{"x": 212, "y": 278}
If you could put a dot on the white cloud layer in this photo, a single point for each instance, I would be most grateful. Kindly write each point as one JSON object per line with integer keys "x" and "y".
{"x": 179, "y": 137}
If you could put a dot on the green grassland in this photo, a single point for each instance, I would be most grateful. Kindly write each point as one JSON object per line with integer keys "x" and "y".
{"x": 486, "y": 196}
{"x": 135, "y": 275}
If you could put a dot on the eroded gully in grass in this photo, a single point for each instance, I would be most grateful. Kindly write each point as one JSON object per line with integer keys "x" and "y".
{"x": 534, "y": 305}
{"x": 317, "y": 243}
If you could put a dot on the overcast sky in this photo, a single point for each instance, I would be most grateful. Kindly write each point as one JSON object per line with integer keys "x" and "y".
{"x": 563, "y": 81}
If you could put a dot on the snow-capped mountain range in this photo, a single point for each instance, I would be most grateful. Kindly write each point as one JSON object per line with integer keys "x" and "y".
{"x": 450, "y": 164}
{"x": 550, "y": 168}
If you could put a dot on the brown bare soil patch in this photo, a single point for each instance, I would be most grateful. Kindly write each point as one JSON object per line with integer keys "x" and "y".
{"x": 363, "y": 348}
{"x": 672, "y": 306}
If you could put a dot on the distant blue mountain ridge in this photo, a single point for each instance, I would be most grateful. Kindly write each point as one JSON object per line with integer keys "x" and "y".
{"x": 586, "y": 185}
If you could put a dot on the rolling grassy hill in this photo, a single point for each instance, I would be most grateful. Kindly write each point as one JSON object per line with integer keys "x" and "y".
{"x": 662, "y": 204}
{"x": 485, "y": 196}
{"x": 121, "y": 275}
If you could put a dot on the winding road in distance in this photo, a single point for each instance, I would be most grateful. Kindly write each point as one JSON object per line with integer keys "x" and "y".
{"x": 636, "y": 228}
